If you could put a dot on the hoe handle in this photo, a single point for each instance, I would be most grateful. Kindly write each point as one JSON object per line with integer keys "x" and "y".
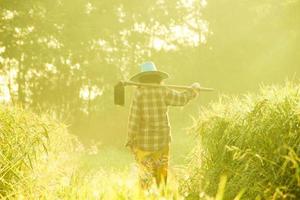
{"x": 125, "y": 83}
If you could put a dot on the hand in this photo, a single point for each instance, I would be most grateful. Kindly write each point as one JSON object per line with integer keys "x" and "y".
{"x": 196, "y": 87}
{"x": 130, "y": 145}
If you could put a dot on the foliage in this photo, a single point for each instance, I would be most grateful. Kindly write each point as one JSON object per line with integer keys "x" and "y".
{"x": 64, "y": 56}
{"x": 27, "y": 141}
{"x": 254, "y": 141}
{"x": 248, "y": 145}
{"x": 39, "y": 160}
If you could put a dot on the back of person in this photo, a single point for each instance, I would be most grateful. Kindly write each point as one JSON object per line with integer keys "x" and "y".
{"x": 149, "y": 131}
{"x": 149, "y": 115}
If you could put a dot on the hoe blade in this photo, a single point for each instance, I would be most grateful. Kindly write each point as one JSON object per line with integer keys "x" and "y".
{"x": 119, "y": 94}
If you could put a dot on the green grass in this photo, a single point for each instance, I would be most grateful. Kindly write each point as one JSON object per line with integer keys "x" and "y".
{"x": 33, "y": 151}
{"x": 41, "y": 160}
{"x": 99, "y": 156}
{"x": 246, "y": 148}
{"x": 254, "y": 141}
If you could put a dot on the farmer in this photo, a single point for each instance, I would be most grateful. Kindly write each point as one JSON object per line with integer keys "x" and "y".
{"x": 149, "y": 127}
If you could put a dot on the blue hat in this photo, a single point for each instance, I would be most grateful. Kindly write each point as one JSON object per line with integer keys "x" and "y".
{"x": 149, "y": 68}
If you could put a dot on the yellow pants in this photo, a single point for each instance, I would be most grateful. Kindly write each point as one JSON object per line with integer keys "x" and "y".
{"x": 152, "y": 166}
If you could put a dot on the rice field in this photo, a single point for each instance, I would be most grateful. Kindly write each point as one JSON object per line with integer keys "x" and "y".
{"x": 247, "y": 148}
{"x": 254, "y": 141}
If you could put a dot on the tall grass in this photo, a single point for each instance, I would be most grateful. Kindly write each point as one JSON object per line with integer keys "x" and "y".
{"x": 22, "y": 137}
{"x": 248, "y": 148}
{"x": 40, "y": 160}
{"x": 254, "y": 141}
{"x": 27, "y": 142}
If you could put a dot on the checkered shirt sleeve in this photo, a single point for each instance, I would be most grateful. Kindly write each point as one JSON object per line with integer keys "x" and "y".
{"x": 134, "y": 119}
{"x": 175, "y": 98}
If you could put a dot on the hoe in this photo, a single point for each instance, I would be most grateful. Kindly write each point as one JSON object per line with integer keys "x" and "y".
{"x": 119, "y": 89}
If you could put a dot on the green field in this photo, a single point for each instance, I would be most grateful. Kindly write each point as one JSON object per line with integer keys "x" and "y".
{"x": 62, "y": 136}
{"x": 245, "y": 148}
{"x": 120, "y": 158}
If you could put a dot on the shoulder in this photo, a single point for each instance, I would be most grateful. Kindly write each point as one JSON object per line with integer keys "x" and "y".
{"x": 151, "y": 90}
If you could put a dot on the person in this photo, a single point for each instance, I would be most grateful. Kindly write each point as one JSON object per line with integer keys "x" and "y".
{"x": 149, "y": 134}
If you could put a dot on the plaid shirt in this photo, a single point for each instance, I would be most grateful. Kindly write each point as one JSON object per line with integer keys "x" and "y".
{"x": 148, "y": 125}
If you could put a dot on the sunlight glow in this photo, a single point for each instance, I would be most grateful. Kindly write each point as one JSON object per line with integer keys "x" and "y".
{"x": 90, "y": 92}
{"x": 139, "y": 27}
{"x": 187, "y": 3}
{"x": 160, "y": 44}
{"x": 203, "y": 3}
{"x": 51, "y": 42}
{"x": 4, "y": 90}
{"x": 2, "y": 50}
{"x": 51, "y": 68}
{"x": 8, "y": 14}
{"x": 76, "y": 122}
{"x": 89, "y": 8}
{"x": 191, "y": 3}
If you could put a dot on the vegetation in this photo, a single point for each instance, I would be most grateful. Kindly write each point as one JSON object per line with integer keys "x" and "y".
{"x": 249, "y": 145}
{"x": 28, "y": 144}
{"x": 254, "y": 141}
{"x": 61, "y": 137}
{"x": 65, "y": 56}
{"x": 40, "y": 160}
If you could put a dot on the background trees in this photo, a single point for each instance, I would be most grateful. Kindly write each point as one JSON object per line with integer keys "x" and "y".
{"x": 65, "y": 56}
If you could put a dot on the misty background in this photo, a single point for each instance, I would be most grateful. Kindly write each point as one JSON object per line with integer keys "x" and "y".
{"x": 64, "y": 57}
